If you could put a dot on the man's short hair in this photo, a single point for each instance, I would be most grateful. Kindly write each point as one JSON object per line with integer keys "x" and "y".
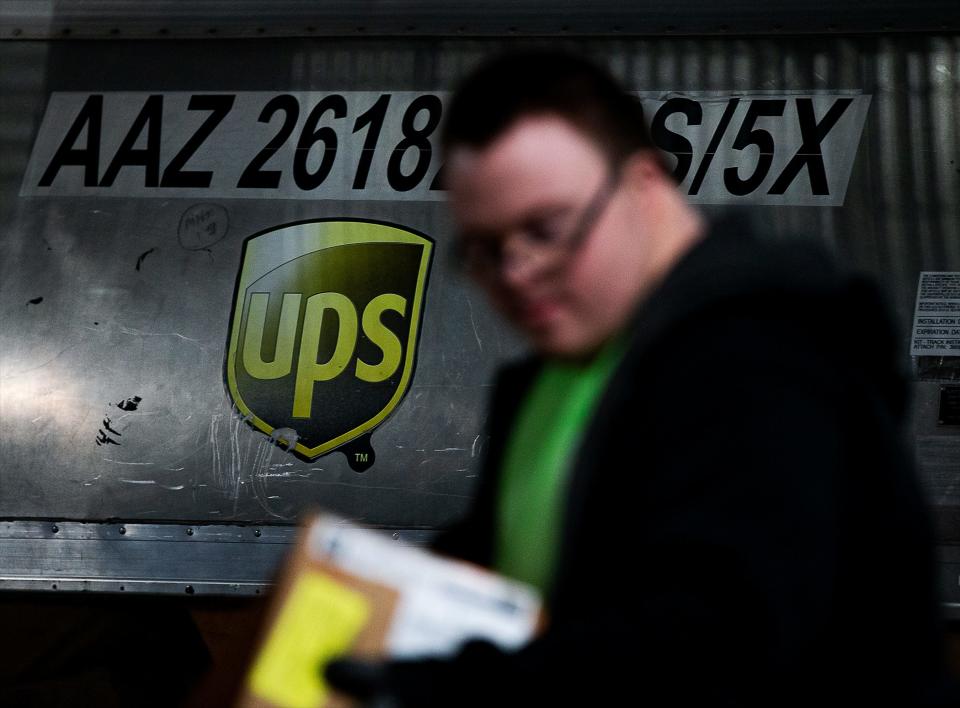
{"x": 546, "y": 82}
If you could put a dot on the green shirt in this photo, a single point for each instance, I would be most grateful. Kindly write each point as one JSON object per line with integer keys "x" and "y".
{"x": 537, "y": 463}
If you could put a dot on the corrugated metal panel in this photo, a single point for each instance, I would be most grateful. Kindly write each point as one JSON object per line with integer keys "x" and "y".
{"x": 900, "y": 215}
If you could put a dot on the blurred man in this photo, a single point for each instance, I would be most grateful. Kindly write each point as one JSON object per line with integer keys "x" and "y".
{"x": 702, "y": 466}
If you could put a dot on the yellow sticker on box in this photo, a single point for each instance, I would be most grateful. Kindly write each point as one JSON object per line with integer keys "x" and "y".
{"x": 319, "y": 621}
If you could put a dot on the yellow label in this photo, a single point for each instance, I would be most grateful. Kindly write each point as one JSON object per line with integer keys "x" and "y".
{"x": 319, "y": 621}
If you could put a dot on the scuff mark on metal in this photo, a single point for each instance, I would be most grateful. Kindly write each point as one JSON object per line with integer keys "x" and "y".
{"x": 104, "y": 439}
{"x": 153, "y": 482}
{"x": 310, "y": 480}
{"x": 215, "y": 448}
{"x": 106, "y": 424}
{"x": 119, "y": 462}
{"x": 285, "y": 435}
{"x": 473, "y": 323}
{"x": 450, "y": 449}
{"x": 56, "y": 356}
{"x": 129, "y": 404}
{"x": 262, "y": 463}
{"x": 139, "y": 333}
{"x": 143, "y": 256}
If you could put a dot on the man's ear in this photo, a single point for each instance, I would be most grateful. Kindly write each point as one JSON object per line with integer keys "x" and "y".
{"x": 643, "y": 169}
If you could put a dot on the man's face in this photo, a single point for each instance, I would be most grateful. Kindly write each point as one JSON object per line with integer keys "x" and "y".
{"x": 519, "y": 201}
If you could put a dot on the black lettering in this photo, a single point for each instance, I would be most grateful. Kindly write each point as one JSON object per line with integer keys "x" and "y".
{"x": 91, "y": 118}
{"x": 150, "y": 117}
{"x": 675, "y": 143}
{"x": 310, "y": 136}
{"x": 219, "y": 106}
{"x": 414, "y": 138}
{"x": 747, "y": 136}
{"x": 809, "y": 155}
{"x": 718, "y": 134}
{"x": 374, "y": 119}
{"x": 253, "y": 176}
{"x": 437, "y": 183}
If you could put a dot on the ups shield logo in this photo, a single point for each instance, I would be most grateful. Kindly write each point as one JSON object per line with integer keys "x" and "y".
{"x": 325, "y": 326}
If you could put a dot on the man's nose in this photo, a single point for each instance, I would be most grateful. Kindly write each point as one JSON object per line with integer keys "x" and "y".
{"x": 520, "y": 263}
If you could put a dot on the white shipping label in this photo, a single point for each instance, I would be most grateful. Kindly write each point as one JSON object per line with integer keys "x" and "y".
{"x": 745, "y": 148}
{"x": 936, "y": 319}
{"x": 442, "y": 603}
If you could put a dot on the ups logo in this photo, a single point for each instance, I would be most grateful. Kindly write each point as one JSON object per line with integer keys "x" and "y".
{"x": 325, "y": 326}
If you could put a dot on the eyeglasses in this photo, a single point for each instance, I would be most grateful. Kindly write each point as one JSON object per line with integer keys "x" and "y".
{"x": 484, "y": 257}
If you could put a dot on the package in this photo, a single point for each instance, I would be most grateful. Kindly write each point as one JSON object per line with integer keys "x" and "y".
{"x": 350, "y": 590}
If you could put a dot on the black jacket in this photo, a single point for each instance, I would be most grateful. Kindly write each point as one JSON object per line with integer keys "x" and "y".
{"x": 743, "y": 524}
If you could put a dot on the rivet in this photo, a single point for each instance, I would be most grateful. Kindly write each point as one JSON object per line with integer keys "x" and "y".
{"x": 56, "y": 529}
{"x": 256, "y": 532}
{"x": 189, "y": 532}
{"x": 189, "y": 589}
{"x": 123, "y": 530}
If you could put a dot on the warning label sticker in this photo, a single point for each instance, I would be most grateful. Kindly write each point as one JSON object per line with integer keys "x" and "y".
{"x": 936, "y": 320}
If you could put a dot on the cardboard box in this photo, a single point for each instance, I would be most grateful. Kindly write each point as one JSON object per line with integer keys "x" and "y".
{"x": 350, "y": 590}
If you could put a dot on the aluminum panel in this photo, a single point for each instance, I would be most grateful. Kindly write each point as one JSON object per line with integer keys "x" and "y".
{"x": 104, "y": 298}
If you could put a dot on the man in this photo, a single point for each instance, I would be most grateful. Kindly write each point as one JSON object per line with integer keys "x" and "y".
{"x": 702, "y": 467}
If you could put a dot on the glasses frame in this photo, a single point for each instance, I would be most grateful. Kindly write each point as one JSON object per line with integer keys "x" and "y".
{"x": 484, "y": 258}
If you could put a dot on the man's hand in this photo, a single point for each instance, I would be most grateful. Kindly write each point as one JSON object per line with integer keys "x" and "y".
{"x": 365, "y": 680}
{"x": 417, "y": 683}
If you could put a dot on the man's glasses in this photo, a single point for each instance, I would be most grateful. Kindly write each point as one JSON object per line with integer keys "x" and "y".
{"x": 484, "y": 257}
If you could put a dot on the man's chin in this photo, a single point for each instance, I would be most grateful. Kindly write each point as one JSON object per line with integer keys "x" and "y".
{"x": 559, "y": 344}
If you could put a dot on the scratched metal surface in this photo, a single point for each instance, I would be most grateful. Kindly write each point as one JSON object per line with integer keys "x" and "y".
{"x": 105, "y": 331}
